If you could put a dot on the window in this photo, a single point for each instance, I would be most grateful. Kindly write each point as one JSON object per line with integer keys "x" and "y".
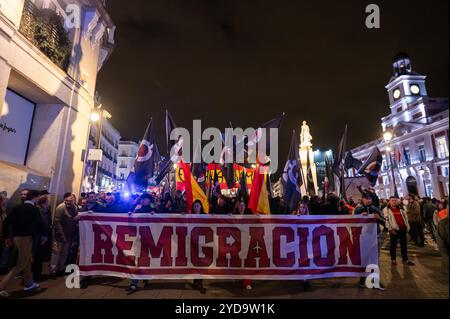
{"x": 442, "y": 148}
{"x": 385, "y": 163}
{"x": 406, "y": 156}
{"x": 422, "y": 153}
{"x": 445, "y": 170}
{"x": 399, "y": 109}
{"x": 417, "y": 116}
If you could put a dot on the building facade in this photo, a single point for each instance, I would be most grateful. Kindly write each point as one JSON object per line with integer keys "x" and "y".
{"x": 105, "y": 176}
{"x": 47, "y": 90}
{"x": 127, "y": 154}
{"x": 417, "y": 156}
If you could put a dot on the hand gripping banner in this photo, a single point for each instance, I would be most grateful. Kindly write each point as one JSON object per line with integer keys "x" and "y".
{"x": 162, "y": 246}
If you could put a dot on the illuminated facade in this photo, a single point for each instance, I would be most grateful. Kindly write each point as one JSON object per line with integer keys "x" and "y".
{"x": 419, "y": 150}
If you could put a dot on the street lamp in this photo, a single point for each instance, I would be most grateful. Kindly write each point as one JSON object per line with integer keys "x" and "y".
{"x": 422, "y": 174}
{"x": 387, "y": 136}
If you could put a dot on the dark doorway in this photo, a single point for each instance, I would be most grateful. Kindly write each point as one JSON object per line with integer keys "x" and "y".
{"x": 411, "y": 184}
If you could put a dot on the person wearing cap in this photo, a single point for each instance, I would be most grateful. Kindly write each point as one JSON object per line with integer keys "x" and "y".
{"x": 374, "y": 197}
{"x": 145, "y": 205}
{"x": 20, "y": 226}
{"x": 366, "y": 208}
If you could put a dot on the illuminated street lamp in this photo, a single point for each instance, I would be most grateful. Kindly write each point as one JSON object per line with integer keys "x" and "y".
{"x": 387, "y": 136}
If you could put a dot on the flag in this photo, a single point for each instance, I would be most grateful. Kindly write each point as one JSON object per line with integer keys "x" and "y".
{"x": 355, "y": 186}
{"x": 292, "y": 176}
{"x": 199, "y": 169}
{"x": 193, "y": 190}
{"x": 158, "y": 159}
{"x": 144, "y": 163}
{"x": 351, "y": 162}
{"x": 251, "y": 142}
{"x": 337, "y": 165}
{"x": 329, "y": 176}
{"x": 372, "y": 165}
{"x": 259, "y": 197}
{"x": 164, "y": 169}
{"x": 309, "y": 177}
{"x": 227, "y": 168}
{"x": 398, "y": 155}
{"x": 176, "y": 145}
{"x": 242, "y": 192}
{"x": 406, "y": 155}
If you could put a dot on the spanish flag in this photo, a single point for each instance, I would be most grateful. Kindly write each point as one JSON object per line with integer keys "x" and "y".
{"x": 193, "y": 190}
{"x": 259, "y": 197}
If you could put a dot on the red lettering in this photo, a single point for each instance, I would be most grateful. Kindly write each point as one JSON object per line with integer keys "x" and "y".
{"x": 257, "y": 249}
{"x": 123, "y": 245}
{"x": 303, "y": 234}
{"x": 198, "y": 261}
{"x": 317, "y": 251}
{"x": 223, "y": 233}
{"x": 181, "y": 259}
{"x": 102, "y": 245}
{"x": 289, "y": 260}
{"x": 163, "y": 246}
{"x": 346, "y": 245}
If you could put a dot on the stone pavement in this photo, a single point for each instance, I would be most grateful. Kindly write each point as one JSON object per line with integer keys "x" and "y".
{"x": 424, "y": 280}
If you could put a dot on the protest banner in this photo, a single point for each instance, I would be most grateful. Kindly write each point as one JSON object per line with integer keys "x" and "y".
{"x": 162, "y": 246}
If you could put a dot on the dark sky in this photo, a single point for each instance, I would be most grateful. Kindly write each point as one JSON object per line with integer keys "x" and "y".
{"x": 247, "y": 61}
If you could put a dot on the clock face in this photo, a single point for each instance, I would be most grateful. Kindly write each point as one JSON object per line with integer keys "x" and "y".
{"x": 415, "y": 89}
{"x": 396, "y": 94}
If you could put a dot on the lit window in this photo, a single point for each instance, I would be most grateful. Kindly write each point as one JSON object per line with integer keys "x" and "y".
{"x": 422, "y": 153}
{"x": 445, "y": 170}
{"x": 442, "y": 148}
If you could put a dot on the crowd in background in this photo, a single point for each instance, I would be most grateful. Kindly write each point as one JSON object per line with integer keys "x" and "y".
{"x": 30, "y": 235}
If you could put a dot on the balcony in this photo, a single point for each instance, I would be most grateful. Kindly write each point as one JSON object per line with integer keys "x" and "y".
{"x": 45, "y": 29}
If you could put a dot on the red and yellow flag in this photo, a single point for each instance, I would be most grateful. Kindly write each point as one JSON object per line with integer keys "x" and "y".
{"x": 259, "y": 196}
{"x": 193, "y": 190}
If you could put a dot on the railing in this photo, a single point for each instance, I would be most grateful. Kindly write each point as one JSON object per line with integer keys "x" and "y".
{"x": 45, "y": 29}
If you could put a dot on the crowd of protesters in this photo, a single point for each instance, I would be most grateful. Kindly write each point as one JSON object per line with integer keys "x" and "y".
{"x": 30, "y": 235}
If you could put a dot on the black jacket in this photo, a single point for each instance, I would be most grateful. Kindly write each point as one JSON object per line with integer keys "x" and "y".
{"x": 23, "y": 220}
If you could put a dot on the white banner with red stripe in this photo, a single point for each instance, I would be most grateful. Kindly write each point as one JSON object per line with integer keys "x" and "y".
{"x": 163, "y": 246}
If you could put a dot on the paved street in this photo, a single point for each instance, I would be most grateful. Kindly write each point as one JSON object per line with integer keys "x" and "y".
{"x": 424, "y": 280}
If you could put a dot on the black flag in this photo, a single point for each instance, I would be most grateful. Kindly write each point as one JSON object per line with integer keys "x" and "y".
{"x": 372, "y": 166}
{"x": 337, "y": 166}
{"x": 292, "y": 176}
{"x": 144, "y": 163}
{"x": 170, "y": 126}
{"x": 309, "y": 177}
{"x": 351, "y": 162}
{"x": 243, "y": 189}
{"x": 329, "y": 176}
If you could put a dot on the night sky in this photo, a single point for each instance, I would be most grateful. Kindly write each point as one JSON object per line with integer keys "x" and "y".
{"x": 247, "y": 61}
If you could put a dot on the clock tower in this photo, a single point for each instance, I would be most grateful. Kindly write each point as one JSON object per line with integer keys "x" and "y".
{"x": 405, "y": 86}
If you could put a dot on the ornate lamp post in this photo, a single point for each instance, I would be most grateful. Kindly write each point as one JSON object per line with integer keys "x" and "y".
{"x": 387, "y": 136}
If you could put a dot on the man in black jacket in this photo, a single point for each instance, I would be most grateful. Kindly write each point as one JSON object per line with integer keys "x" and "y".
{"x": 20, "y": 226}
